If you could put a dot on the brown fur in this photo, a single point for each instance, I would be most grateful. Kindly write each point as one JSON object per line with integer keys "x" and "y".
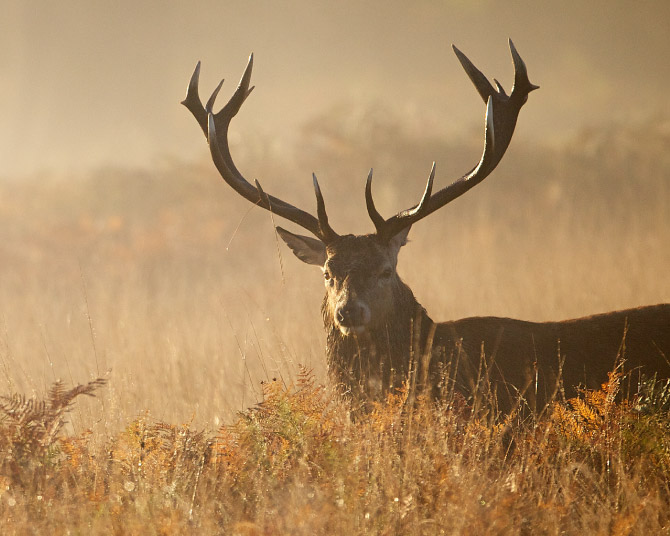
{"x": 513, "y": 360}
{"x": 379, "y": 358}
{"x": 536, "y": 360}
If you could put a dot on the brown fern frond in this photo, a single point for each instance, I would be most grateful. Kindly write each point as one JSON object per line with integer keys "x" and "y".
{"x": 306, "y": 378}
{"x": 31, "y": 425}
{"x": 19, "y": 409}
{"x": 56, "y": 392}
{"x": 13, "y": 404}
{"x": 60, "y": 402}
{"x": 60, "y": 398}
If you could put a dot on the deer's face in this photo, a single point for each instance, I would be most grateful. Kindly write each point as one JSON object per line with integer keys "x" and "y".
{"x": 359, "y": 274}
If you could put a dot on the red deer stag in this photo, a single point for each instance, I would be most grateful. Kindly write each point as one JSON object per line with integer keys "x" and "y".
{"x": 377, "y": 332}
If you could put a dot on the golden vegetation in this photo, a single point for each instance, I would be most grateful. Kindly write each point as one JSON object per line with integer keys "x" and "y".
{"x": 163, "y": 277}
{"x": 299, "y": 463}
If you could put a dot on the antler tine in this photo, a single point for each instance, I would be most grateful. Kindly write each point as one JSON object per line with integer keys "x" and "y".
{"x": 484, "y": 87}
{"x": 521, "y": 82}
{"x": 418, "y": 211}
{"x": 502, "y": 112}
{"x": 193, "y": 102}
{"x": 408, "y": 216}
{"x": 375, "y": 216}
{"x": 212, "y": 98}
{"x": 325, "y": 228}
{"x": 215, "y": 126}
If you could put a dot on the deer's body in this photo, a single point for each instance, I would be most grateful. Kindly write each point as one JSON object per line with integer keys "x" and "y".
{"x": 379, "y": 336}
{"x": 514, "y": 360}
{"x": 525, "y": 358}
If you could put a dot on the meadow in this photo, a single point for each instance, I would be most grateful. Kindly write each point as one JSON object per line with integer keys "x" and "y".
{"x": 175, "y": 298}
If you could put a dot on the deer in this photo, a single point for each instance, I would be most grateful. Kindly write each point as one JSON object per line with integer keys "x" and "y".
{"x": 379, "y": 337}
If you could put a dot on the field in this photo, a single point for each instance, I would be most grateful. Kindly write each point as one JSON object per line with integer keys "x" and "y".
{"x": 167, "y": 286}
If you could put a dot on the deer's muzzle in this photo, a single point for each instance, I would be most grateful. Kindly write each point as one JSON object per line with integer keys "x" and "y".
{"x": 352, "y": 316}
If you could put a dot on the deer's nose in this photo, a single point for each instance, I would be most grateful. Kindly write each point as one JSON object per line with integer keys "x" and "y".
{"x": 351, "y": 315}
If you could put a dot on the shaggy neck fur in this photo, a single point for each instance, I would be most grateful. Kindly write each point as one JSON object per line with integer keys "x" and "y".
{"x": 378, "y": 360}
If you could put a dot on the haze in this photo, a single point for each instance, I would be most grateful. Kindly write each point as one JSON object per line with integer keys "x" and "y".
{"x": 98, "y": 84}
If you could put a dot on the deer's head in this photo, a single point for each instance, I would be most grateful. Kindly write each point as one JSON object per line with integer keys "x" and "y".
{"x": 360, "y": 271}
{"x": 359, "y": 274}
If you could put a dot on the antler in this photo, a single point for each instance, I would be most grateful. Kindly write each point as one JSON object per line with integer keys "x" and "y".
{"x": 501, "y": 116}
{"x": 215, "y": 126}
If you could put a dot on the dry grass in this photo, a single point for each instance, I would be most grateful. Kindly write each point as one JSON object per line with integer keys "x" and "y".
{"x": 298, "y": 464}
{"x": 168, "y": 280}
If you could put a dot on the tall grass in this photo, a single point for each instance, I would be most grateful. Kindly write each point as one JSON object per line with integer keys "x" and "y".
{"x": 298, "y": 463}
{"x": 167, "y": 285}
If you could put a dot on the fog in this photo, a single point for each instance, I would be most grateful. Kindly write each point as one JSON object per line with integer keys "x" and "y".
{"x": 88, "y": 84}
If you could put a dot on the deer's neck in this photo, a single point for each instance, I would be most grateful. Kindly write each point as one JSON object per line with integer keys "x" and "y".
{"x": 379, "y": 359}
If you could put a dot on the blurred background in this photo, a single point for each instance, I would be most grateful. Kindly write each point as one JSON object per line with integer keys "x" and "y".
{"x": 121, "y": 249}
{"x": 88, "y": 84}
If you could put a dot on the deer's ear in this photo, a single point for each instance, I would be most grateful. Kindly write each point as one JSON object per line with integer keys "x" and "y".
{"x": 399, "y": 240}
{"x": 306, "y": 248}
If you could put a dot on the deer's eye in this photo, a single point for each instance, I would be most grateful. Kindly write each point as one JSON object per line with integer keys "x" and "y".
{"x": 386, "y": 273}
{"x": 327, "y": 275}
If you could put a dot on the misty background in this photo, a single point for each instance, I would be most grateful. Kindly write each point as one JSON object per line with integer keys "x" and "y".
{"x": 98, "y": 83}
